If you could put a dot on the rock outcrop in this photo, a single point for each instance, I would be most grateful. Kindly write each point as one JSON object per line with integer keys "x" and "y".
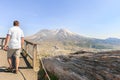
{"x": 85, "y": 66}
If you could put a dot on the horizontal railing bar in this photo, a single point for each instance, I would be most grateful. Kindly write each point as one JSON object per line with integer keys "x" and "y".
{"x": 29, "y": 42}
{"x": 28, "y": 54}
{"x": 2, "y": 37}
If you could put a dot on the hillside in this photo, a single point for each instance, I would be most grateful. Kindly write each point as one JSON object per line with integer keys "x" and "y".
{"x": 85, "y": 66}
{"x": 65, "y": 41}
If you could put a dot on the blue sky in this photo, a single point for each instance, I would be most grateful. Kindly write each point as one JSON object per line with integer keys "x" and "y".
{"x": 91, "y": 18}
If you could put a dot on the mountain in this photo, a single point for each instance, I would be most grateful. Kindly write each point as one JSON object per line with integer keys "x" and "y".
{"x": 63, "y": 39}
{"x": 59, "y": 34}
{"x": 113, "y": 41}
{"x": 62, "y": 36}
{"x": 110, "y": 43}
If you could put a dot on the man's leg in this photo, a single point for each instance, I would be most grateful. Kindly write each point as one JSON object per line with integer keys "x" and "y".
{"x": 9, "y": 57}
{"x": 17, "y": 63}
{"x": 10, "y": 62}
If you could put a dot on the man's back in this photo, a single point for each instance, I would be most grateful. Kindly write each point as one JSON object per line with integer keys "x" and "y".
{"x": 15, "y": 37}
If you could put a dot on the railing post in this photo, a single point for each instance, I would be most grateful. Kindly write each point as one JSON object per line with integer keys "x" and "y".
{"x": 35, "y": 58}
{"x": 2, "y": 43}
{"x": 26, "y": 48}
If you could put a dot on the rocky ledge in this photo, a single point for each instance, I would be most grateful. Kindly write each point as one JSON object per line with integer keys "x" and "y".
{"x": 85, "y": 66}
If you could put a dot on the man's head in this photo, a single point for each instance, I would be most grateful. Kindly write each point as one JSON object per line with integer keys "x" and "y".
{"x": 16, "y": 23}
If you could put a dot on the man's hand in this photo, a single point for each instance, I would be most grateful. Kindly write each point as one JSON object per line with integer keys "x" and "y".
{"x": 5, "y": 47}
{"x": 6, "y": 42}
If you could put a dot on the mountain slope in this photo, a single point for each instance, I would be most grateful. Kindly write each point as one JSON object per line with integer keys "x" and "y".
{"x": 62, "y": 39}
{"x": 54, "y": 35}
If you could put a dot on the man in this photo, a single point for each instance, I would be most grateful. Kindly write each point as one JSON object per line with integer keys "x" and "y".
{"x": 13, "y": 44}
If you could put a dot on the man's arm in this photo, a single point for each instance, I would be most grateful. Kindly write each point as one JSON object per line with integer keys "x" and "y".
{"x": 22, "y": 42}
{"x": 6, "y": 42}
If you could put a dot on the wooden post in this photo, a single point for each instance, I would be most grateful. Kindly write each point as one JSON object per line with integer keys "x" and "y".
{"x": 2, "y": 42}
{"x": 35, "y": 58}
{"x": 26, "y": 49}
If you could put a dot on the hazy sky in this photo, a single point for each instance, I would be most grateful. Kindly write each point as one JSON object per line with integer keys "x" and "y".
{"x": 93, "y": 18}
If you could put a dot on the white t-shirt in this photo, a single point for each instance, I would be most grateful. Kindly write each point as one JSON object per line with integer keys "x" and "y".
{"x": 16, "y": 34}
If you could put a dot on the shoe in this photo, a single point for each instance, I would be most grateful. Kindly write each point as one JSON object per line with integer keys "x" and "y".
{"x": 9, "y": 69}
{"x": 16, "y": 71}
